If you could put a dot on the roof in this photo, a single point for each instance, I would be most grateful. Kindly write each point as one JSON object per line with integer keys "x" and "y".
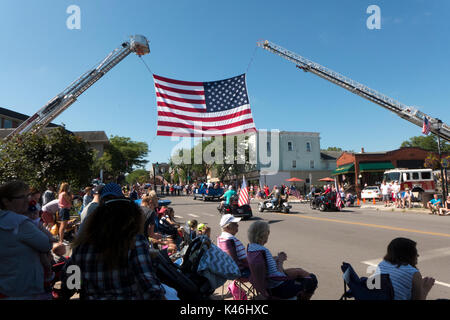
{"x": 330, "y": 155}
{"x": 20, "y": 116}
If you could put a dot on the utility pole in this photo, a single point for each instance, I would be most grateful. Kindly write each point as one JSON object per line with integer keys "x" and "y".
{"x": 155, "y": 166}
{"x": 443, "y": 178}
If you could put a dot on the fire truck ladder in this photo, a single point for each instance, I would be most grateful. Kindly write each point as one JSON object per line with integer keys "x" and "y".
{"x": 406, "y": 112}
{"x": 137, "y": 44}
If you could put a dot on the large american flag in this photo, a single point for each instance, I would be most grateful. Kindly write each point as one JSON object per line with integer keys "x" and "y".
{"x": 243, "y": 194}
{"x": 426, "y": 126}
{"x": 187, "y": 108}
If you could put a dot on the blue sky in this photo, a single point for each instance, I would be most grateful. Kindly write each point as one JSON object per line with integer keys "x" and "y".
{"x": 408, "y": 59}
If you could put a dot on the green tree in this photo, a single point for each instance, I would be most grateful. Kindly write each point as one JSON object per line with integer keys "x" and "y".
{"x": 333, "y": 149}
{"x": 49, "y": 157}
{"x": 122, "y": 156}
{"x": 139, "y": 175}
{"x": 429, "y": 143}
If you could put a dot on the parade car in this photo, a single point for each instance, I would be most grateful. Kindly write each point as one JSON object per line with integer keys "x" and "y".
{"x": 371, "y": 192}
{"x": 210, "y": 193}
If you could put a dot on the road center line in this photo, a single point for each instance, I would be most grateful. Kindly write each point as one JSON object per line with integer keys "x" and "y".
{"x": 375, "y": 226}
{"x": 193, "y": 215}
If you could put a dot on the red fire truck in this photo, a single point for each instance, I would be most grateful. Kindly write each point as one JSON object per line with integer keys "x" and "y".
{"x": 422, "y": 182}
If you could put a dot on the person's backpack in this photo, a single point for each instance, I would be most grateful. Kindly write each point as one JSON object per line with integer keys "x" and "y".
{"x": 358, "y": 286}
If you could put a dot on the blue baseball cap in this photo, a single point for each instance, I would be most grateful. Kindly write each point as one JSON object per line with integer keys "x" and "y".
{"x": 112, "y": 189}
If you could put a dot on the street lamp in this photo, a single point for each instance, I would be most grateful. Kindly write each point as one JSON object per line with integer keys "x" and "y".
{"x": 444, "y": 179}
{"x": 155, "y": 166}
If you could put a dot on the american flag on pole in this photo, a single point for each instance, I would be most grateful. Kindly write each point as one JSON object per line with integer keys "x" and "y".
{"x": 243, "y": 194}
{"x": 339, "y": 202}
{"x": 189, "y": 109}
{"x": 426, "y": 126}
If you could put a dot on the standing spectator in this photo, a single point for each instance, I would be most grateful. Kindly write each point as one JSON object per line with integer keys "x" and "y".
{"x": 400, "y": 263}
{"x": 162, "y": 188}
{"x": 407, "y": 198}
{"x": 88, "y": 197}
{"x": 133, "y": 193}
{"x": 397, "y": 195}
{"x": 65, "y": 204}
{"x": 22, "y": 277}
{"x": 49, "y": 212}
{"x": 385, "y": 191}
{"x": 266, "y": 191}
{"x": 91, "y": 205}
{"x": 48, "y": 195}
{"x": 167, "y": 189}
{"x": 114, "y": 255}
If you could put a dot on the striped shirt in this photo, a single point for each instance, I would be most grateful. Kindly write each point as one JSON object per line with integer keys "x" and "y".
{"x": 272, "y": 270}
{"x": 240, "y": 249}
{"x": 401, "y": 278}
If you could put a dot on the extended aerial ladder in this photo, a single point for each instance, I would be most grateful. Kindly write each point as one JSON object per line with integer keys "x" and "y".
{"x": 137, "y": 44}
{"x": 406, "y": 112}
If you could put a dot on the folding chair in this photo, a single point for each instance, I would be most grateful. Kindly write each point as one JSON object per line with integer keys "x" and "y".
{"x": 358, "y": 286}
{"x": 228, "y": 246}
{"x": 258, "y": 275}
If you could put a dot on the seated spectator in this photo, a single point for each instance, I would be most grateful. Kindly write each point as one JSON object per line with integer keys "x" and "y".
{"x": 300, "y": 283}
{"x": 446, "y": 209}
{"x": 400, "y": 263}
{"x": 148, "y": 206}
{"x": 22, "y": 277}
{"x": 204, "y": 230}
{"x": 434, "y": 204}
{"x": 193, "y": 224}
{"x": 230, "y": 228}
{"x": 406, "y": 198}
{"x": 114, "y": 255}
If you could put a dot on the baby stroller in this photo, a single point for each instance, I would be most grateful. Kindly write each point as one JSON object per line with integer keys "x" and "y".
{"x": 184, "y": 277}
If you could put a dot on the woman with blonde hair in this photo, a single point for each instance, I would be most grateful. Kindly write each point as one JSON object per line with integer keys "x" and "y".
{"x": 65, "y": 204}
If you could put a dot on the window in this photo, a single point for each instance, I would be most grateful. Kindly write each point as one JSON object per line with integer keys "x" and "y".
{"x": 268, "y": 147}
{"x": 307, "y": 180}
{"x": 7, "y": 123}
{"x": 311, "y": 164}
{"x": 294, "y": 164}
{"x": 308, "y": 147}
{"x": 415, "y": 176}
{"x": 426, "y": 176}
{"x": 289, "y": 146}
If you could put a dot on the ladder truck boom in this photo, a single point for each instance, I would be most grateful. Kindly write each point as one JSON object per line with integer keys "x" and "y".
{"x": 137, "y": 44}
{"x": 406, "y": 112}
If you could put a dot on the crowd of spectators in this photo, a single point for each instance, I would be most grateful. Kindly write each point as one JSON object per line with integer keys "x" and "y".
{"x": 117, "y": 237}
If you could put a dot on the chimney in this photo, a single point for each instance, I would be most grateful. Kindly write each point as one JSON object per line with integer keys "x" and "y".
{"x": 362, "y": 150}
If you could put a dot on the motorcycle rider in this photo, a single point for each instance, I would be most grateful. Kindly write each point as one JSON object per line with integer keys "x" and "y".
{"x": 227, "y": 196}
{"x": 276, "y": 195}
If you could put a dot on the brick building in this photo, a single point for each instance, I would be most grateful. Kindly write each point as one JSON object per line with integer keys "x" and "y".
{"x": 354, "y": 170}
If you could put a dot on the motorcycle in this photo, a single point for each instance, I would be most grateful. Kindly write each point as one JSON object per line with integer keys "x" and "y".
{"x": 282, "y": 206}
{"x": 324, "y": 203}
{"x": 233, "y": 208}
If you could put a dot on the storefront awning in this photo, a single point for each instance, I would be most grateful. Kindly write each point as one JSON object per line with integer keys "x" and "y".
{"x": 348, "y": 168}
{"x": 375, "y": 166}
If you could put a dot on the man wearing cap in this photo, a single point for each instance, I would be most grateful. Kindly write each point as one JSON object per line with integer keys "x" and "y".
{"x": 230, "y": 228}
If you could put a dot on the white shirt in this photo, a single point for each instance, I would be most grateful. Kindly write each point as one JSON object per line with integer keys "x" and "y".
{"x": 385, "y": 189}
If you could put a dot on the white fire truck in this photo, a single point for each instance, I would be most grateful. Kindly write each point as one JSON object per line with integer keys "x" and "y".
{"x": 422, "y": 182}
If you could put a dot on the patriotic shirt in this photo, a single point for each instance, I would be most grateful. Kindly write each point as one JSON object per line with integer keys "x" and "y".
{"x": 401, "y": 278}
{"x": 240, "y": 249}
{"x": 272, "y": 270}
{"x": 136, "y": 282}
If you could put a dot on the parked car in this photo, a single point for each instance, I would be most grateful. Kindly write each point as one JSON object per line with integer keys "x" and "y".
{"x": 371, "y": 192}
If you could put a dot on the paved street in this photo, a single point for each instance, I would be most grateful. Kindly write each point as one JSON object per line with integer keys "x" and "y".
{"x": 320, "y": 241}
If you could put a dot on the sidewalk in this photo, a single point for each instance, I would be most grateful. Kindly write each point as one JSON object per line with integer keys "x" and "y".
{"x": 380, "y": 206}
